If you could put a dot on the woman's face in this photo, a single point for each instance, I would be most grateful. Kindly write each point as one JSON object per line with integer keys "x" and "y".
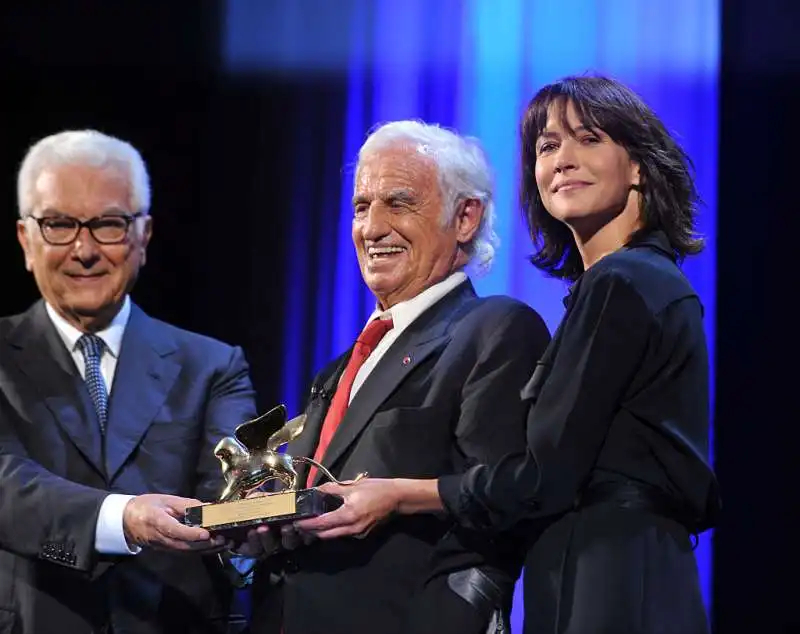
{"x": 582, "y": 172}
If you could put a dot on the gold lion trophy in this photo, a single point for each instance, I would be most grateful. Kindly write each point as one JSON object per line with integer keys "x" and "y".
{"x": 250, "y": 459}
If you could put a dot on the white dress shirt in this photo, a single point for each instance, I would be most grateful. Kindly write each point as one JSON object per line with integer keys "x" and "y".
{"x": 109, "y": 537}
{"x": 403, "y": 315}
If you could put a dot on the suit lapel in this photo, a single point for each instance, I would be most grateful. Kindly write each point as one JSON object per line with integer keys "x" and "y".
{"x": 317, "y": 408}
{"x": 143, "y": 378}
{"x": 427, "y": 334}
{"x": 40, "y": 354}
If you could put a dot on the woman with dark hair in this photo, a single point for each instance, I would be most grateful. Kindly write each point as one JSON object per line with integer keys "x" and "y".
{"x": 616, "y": 459}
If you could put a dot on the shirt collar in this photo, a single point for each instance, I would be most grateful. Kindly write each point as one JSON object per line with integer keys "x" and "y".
{"x": 111, "y": 336}
{"x": 656, "y": 240}
{"x": 403, "y": 313}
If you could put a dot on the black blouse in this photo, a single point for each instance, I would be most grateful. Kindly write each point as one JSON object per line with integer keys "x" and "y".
{"x": 621, "y": 393}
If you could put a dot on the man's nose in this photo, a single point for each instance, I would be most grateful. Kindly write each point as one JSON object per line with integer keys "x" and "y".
{"x": 375, "y": 224}
{"x": 85, "y": 247}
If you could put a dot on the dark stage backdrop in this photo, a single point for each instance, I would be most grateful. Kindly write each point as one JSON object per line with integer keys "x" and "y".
{"x": 757, "y": 409}
{"x": 230, "y": 157}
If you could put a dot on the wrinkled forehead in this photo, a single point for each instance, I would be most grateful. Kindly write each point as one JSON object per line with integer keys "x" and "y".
{"x": 400, "y": 165}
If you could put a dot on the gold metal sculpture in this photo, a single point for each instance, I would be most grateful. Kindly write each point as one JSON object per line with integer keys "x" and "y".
{"x": 251, "y": 458}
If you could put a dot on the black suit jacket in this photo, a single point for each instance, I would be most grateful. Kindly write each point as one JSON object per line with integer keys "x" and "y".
{"x": 174, "y": 395}
{"x": 446, "y": 395}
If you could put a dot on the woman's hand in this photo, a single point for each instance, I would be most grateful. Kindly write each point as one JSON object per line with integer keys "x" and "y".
{"x": 369, "y": 502}
{"x": 366, "y": 504}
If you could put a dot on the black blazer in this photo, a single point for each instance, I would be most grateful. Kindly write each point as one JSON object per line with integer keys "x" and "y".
{"x": 617, "y": 456}
{"x": 444, "y": 396}
{"x": 174, "y": 395}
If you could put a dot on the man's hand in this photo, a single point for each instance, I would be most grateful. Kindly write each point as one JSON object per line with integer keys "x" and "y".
{"x": 263, "y": 541}
{"x": 155, "y": 520}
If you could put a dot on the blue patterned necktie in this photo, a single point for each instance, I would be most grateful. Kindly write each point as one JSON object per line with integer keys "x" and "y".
{"x": 92, "y": 348}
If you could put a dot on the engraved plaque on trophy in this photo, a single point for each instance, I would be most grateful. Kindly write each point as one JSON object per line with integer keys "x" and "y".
{"x": 250, "y": 459}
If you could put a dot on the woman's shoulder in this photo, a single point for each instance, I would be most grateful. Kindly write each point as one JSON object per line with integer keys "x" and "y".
{"x": 652, "y": 275}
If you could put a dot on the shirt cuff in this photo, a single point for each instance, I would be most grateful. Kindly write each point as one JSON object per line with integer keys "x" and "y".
{"x": 449, "y": 487}
{"x": 457, "y": 493}
{"x": 109, "y": 537}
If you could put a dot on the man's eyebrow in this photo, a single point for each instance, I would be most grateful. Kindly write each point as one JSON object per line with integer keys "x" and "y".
{"x": 53, "y": 212}
{"x": 400, "y": 194}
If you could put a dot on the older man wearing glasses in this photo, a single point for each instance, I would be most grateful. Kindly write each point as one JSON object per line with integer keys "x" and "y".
{"x": 108, "y": 417}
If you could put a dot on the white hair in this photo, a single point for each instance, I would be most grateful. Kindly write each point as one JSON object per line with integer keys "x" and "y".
{"x": 83, "y": 147}
{"x": 463, "y": 171}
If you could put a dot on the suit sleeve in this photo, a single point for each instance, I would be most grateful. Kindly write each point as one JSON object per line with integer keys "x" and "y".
{"x": 601, "y": 345}
{"x": 492, "y": 419}
{"x": 231, "y": 402}
{"x": 43, "y": 515}
{"x": 491, "y": 424}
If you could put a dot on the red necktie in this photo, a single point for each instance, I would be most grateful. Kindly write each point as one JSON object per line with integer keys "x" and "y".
{"x": 363, "y": 347}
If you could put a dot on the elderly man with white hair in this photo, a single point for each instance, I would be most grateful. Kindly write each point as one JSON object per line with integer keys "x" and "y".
{"x": 431, "y": 386}
{"x": 108, "y": 417}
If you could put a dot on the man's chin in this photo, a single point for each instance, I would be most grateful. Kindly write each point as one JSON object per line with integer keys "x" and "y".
{"x": 86, "y": 307}
{"x": 381, "y": 283}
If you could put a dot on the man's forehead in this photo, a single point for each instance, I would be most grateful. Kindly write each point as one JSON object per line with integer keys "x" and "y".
{"x": 82, "y": 185}
{"x": 75, "y": 175}
{"x": 395, "y": 167}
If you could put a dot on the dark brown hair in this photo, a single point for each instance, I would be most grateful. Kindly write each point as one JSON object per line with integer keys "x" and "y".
{"x": 668, "y": 193}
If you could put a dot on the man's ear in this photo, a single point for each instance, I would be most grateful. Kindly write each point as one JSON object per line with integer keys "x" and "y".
{"x": 23, "y": 239}
{"x": 144, "y": 240}
{"x": 468, "y": 219}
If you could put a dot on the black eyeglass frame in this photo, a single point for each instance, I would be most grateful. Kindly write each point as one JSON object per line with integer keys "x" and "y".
{"x": 90, "y": 224}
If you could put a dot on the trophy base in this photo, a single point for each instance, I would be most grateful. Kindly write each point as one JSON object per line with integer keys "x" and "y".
{"x": 234, "y": 519}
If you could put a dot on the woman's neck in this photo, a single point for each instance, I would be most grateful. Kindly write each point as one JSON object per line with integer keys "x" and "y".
{"x": 597, "y": 242}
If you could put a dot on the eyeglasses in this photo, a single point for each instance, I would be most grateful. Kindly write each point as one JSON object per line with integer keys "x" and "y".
{"x": 63, "y": 230}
